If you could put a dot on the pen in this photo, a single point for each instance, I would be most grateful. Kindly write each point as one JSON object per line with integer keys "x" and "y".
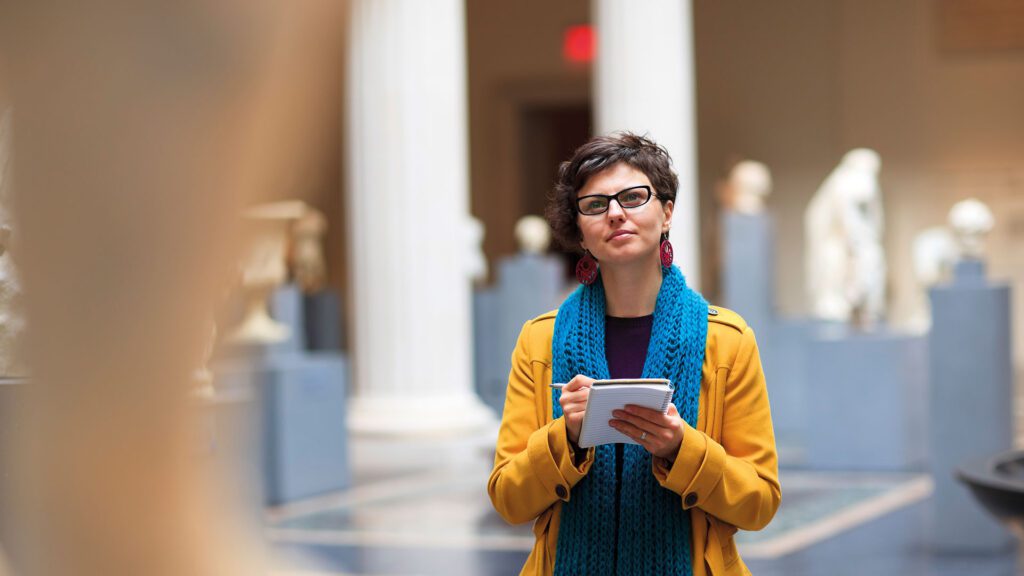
{"x": 558, "y": 385}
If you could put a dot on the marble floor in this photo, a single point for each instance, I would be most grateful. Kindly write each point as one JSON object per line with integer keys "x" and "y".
{"x": 419, "y": 508}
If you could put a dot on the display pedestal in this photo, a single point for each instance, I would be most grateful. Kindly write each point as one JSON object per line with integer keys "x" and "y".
{"x": 303, "y": 406}
{"x": 487, "y": 362}
{"x": 866, "y": 400}
{"x": 324, "y": 320}
{"x": 527, "y": 285}
{"x": 748, "y": 274}
{"x": 783, "y": 348}
{"x": 229, "y": 447}
{"x": 971, "y": 402}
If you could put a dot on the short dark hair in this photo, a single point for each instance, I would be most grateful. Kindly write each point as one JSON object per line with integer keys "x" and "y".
{"x": 594, "y": 156}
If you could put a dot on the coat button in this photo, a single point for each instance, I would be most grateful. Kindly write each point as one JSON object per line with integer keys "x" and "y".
{"x": 691, "y": 499}
{"x": 561, "y": 491}
{"x": 712, "y": 312}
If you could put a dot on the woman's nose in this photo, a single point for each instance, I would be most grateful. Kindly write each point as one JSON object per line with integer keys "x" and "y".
{"x": 615, "y": 210}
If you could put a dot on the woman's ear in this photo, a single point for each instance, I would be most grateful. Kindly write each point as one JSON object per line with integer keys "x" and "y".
{"x": 667, "y": 207}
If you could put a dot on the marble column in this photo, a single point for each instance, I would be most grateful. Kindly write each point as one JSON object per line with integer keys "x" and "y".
{"x": 408, "y": 212}
{"x": 644, "y": 82}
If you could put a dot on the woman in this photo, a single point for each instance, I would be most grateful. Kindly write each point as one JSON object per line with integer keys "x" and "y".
{"x": 670, "y": 504}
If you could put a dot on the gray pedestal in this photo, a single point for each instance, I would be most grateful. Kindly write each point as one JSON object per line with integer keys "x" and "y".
{"x": 971, "y": 402}
{"x": 304, "y": 435}
{"x": 286, "y": 307}
{"x": 527, "y": 285}
{"x": 866, "y": 400}
{"x": 323, "y": 321}
{"x": 748, "y": 274}
{"x": 487, "y": 362}
{"x": 783, "y": 348}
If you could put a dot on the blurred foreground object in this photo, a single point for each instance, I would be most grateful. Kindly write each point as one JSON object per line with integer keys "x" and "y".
{"x": 845, "y": 262}
{"x": 151, "y": 127}
{"x": 747, "y": 187}
{"x": 12, "y": 322}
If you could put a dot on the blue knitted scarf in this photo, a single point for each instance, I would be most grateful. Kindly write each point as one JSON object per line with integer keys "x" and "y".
{"x": 649, "y": 533}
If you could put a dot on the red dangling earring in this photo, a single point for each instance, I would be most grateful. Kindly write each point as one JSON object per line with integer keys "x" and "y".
{"x": 666, "y": 251}
{"x": 586, "y": 269}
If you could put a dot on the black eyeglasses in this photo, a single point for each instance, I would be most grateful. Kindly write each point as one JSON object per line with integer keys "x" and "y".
{"x": 632, "y": 197}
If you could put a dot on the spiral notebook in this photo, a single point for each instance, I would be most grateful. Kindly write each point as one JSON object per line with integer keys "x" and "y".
{"x": 608, "y": 395}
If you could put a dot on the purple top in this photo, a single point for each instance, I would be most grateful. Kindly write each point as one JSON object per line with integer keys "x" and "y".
{"x": 625, "y": 345}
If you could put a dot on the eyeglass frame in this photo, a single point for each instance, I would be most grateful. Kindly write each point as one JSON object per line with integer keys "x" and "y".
{"x": 650, "y": 194}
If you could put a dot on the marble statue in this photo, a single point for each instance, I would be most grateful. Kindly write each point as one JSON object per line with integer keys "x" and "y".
{"x": 12, "y": 322}
{"x": 307, "y": 253}
{"x": 933, "y": 252}
{"x": 533, "y": 234}
{"x": 477, "y": 261}
{"x": 937, "y": 249}
{"x": 264, "y": 268}
{"x": 971, "y": 221}
{"x": 845, "y": 262}
{"x": 747, "y": 187}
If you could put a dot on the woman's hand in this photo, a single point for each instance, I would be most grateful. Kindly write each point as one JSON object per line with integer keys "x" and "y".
{"x": 574, "y": 403}
{"x": 661, "y": 434}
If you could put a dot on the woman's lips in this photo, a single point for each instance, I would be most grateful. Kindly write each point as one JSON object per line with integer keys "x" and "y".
{"x": 620, "y": 234}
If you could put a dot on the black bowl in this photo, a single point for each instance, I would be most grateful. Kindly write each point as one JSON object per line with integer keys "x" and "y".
{"x": 998, "y": 483}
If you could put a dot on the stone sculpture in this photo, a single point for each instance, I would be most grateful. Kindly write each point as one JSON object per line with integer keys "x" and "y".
{"x": 264, "y": 268}
{"x": 937, "y": 249}
{"x": 845, "y": 262}
{"x": 12, "y": 323}
{"x": 533, "y": 235}
{"x": 477, "y": 261}
{"x": 971, "y": 221}
{"x": 307, "y": 253}
{"x": 747, "y": 187}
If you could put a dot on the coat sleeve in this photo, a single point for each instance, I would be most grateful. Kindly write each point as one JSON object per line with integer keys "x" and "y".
{"x": 735, "y": 481}
{"x": 533, "y": 462}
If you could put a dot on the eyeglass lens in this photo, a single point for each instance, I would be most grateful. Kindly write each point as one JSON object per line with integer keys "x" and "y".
{"x": 628, "y": 198}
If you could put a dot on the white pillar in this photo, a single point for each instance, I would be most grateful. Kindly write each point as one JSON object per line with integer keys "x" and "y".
{"x": 408, "y": 206}
{"x": 644, "y": 82}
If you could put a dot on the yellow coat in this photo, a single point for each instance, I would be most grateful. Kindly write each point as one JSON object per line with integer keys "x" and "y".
{"x": 726, "y": 470}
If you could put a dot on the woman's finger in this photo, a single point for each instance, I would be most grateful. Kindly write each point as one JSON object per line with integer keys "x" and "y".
{"x": 639, "y": 422}
{"x": 642, "y": 436}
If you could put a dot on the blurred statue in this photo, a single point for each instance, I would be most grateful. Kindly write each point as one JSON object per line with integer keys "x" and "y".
{"x": 264, "y": 269}
{"x": 474, "y": 233}
{"x": 202, "y": 377}
{"x": 12, "y": 322}
{"x": 971, "y": 221}
{"x": 845, "y": 263}
{"x": 533, "y": 234}
{"x": 934, "y": 252}
{"x": 307, "y": 253}
{"x": 937, "y": 249}
{"x": 747, "y": 187}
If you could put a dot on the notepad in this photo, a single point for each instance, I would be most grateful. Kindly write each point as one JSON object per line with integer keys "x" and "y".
{"x": 608, "y": 395}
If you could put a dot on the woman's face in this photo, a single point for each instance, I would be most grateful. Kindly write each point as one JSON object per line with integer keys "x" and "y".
{"x": 623, "y": 236}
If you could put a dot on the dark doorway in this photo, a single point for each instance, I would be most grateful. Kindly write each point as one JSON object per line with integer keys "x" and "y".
{"x": 550, "y": 134}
